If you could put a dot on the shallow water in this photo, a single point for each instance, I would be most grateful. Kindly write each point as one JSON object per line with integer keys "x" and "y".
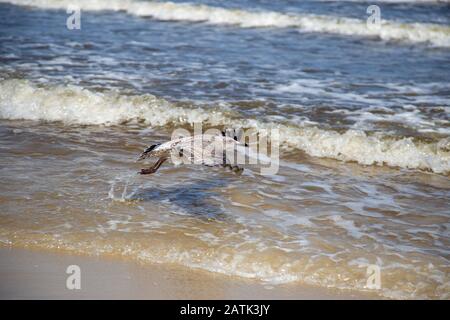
{"x": 363, "y": 120}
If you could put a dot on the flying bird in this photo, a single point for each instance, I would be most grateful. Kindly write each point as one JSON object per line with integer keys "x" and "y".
{"x": 209, "y": 150}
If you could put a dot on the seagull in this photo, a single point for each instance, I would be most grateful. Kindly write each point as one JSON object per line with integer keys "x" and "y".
{"x": 207, "y": 149}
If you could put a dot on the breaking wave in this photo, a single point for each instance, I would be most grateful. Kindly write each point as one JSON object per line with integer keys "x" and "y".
{"x": 20, "y": 99}
{"x": 434, "y": 34}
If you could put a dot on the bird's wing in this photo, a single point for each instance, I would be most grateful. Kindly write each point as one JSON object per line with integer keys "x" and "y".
{"x": 204, "y": 149}
{"x": 186, "y": 150}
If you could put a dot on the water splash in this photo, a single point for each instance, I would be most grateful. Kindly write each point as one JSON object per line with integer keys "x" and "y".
{"x": 128, "y": 180}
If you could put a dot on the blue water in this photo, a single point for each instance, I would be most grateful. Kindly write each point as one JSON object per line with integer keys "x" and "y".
{"x": 182, "y": 60}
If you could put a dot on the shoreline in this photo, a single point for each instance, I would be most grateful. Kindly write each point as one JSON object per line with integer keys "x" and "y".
{"x": 34, "y": 274}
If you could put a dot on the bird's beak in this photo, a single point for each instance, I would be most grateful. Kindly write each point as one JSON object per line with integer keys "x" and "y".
{"x": 141, "y": 157}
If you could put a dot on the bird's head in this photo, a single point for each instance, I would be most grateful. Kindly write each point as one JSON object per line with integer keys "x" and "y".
{"x": 148, "y": 151}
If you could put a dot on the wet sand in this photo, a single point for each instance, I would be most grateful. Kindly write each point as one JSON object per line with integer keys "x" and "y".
{"x": 30, "y": 274}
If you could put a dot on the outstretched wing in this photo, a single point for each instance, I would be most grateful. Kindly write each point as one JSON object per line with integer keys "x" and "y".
{"x": 209, "y": 150}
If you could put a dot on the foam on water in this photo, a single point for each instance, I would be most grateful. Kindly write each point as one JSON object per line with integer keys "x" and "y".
{"x": 409, "y": 116}
{"x": 19, "y": 99}
{"x": 74, "y": 104}
{"x": 261, "y": 259}
{"x": 437, "y": 35}
{"x": 393, "y": 93}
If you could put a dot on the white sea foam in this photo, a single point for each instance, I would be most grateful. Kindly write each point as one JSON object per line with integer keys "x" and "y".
{"x": 396, "y": 93}
{"x": 408, "y": 116}
{"x": 73, "y": 104}
{"x": 437, "y": 35}
{"x": 413, "y": 99}
{"x": 20, "y": 99}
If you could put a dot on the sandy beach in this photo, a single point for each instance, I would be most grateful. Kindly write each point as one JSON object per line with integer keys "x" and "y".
{"x": 31, "y": 274}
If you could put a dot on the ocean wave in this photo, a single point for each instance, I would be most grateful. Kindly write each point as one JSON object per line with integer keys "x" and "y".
{"x": 20, "y": 99}
{"x": 273, "y": 265}
{"x": 434, "y": 34}
{"x": 76, "y": 105}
